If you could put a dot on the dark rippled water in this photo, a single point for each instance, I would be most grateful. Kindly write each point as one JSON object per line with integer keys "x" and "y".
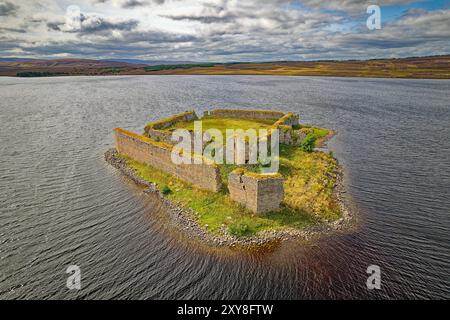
{"x": 61, "y": 204}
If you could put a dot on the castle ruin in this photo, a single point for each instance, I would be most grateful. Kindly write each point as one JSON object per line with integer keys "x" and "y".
{"x": 257, "y": 192}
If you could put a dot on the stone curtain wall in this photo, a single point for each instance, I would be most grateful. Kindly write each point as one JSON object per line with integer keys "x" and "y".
{"x": 289, "y": 119}
{"x": 287, "y": 134}
{"x": 165, "y": 123}
{"x": 258, "y": 193}
{"x": 159, "y": 135}
{"x": 158, "y": 155}
{"x": 246, "y": 114}
{"x": 291, "y": 137}
{"x": 156, "y": 131}
{"x": 284, "y": 123}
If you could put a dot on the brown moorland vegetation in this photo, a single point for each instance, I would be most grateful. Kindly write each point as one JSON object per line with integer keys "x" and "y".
{"x": 435, "y": 67}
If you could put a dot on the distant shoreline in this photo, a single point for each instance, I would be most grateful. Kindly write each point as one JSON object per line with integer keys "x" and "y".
{"x": 435, "y": 67}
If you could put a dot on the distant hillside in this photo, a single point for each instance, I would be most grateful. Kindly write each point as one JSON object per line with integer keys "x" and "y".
{"x": 436, "y": 67}
{"x": 9, "y": 67}
{"x": 147, "y": 62}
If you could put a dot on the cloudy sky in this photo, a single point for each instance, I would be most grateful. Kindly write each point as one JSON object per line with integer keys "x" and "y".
{"x": 221, "y": 30}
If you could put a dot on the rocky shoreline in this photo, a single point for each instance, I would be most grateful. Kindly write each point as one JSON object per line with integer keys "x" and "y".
{"x": 184, "y": 218}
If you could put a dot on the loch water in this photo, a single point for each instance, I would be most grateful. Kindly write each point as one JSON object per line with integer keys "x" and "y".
{"x": 62, "y": 204}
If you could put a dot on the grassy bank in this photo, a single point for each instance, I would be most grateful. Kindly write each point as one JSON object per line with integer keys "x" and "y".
{"x": 309, "y": 182}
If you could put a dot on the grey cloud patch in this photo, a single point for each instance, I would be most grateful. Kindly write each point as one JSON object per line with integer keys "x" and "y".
{"x": 414, "y": 12}
{"x": 263, "y": 18}
{"x": 204, "y": 19}
{"x": 134, "y": 3}
{"x": 2, "y": 30}
{"x": 157, "y": 37}
{"x": 418, "y": 29}
{"x": 95, "y": 24}
{"x": 130, "y": 4}
{"x": 211, "y": 13}
{"x": 351, "y": 5}
{"x": 8, "y": 9}
{"x": 145, "y": 43}
{"x": 361, "y": 42}
{"x": 56, "y": 26}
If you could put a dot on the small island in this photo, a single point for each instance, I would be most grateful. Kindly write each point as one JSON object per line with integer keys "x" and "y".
{"x": 239, "y": 205}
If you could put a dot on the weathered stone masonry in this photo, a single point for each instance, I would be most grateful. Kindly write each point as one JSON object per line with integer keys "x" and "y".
{"x": 246, "y": 114}
{"x": 156, "y": 131}
{"x": 258, "y": 193}
{"x": 158, "y": 155}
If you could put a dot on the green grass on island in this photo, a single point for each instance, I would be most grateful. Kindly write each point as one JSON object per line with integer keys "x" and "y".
{"x": 223, "y": 123}
{"x": 309, "y": 199}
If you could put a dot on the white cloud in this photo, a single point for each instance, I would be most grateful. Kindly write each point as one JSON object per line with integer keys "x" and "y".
{"x": 215, "y": 30}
